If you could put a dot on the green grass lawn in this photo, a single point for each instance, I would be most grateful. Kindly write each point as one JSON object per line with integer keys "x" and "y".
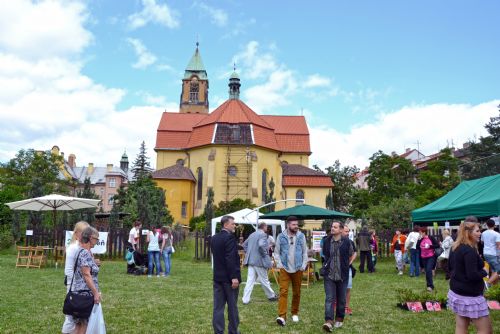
{"x": 31, "y": 302}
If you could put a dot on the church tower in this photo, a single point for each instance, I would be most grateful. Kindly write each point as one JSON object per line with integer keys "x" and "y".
{"x": 194, "y": 95}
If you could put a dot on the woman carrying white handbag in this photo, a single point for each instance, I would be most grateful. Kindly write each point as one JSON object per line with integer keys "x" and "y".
{"x": 446, "y": 246}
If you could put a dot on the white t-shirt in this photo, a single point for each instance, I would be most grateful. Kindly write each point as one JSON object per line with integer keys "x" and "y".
{"x": 71, "y": 253}
{"x": 490, "y": 239}
{"x": 154, "y": 245}
{"x": 133, "y": 235}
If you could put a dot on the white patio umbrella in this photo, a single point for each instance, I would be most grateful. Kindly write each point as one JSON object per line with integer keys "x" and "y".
{"x": 54, "y": 203}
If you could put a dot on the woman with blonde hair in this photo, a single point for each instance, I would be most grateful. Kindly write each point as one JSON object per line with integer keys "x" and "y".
{"x": 71, "y": 252}
{"x": 465, "y": 297}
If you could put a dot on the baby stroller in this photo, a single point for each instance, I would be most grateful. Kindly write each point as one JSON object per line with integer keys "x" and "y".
{"x": 136, "y": 263}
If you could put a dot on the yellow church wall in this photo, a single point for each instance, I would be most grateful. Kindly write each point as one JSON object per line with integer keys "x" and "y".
{"x": 166, "y": 159}
{"x": 313, "y": 196}
{"x": 301, "y": 159}
{"x": 176, "y": 192}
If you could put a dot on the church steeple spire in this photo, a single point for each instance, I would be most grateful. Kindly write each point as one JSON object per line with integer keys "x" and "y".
{"x": 194, "y": 96}
{"x": 234, "y": 85}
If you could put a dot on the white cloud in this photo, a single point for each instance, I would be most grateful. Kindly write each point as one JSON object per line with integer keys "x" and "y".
{"x": 254, "y": 64}
{"x": 42, "y": 29}
{"x": 432, "y": 125}
{"x": 217, "y": 16}
{"x": 144, "y": 57}
{"x": 45, "y": 99}
{"x": 154, "y": 13}
{"x": 273, "y": 93}
{"x": 316, "y": 81}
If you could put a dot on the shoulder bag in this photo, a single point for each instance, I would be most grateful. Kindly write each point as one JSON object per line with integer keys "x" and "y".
{"x": 76, "y": 304}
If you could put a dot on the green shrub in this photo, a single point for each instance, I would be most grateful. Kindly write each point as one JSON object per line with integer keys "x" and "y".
{"x": 493, "y": 293}
{"x": 407, "y": 295}
{"x": 6, "y": 237}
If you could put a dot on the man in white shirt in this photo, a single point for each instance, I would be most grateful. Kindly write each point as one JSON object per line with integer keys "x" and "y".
{"x": 491, "y": 250}
{"x": 411, "y": 248}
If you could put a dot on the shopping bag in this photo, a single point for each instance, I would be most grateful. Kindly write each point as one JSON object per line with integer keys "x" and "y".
{"x": 96, "y": 321}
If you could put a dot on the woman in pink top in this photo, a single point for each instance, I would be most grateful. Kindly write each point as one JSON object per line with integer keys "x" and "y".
{"x": 427, "y": 245}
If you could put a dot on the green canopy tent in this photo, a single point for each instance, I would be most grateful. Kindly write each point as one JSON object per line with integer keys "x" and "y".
{"x": 480, "y": 198}
{"x": 305, "y": 211}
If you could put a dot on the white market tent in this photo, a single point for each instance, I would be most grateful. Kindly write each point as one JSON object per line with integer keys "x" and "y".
{"x": 250, "y": 217}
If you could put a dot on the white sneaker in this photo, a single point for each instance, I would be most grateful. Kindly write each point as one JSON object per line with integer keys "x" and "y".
{"x": 295, "y": 318}
{"x": 400, "y": 273}
{"x": 338, "y": 324}
{"x": 281, "y": 321}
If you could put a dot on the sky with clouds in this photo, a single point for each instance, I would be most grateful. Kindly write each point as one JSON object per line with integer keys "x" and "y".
{"x": 93, "y": 77}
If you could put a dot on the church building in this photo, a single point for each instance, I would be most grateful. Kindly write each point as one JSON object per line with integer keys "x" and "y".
{"x": 232, "y": 150}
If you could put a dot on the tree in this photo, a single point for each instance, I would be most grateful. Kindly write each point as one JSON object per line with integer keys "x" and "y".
{"x": 141, "y": 166}
{"x": 209, "y": 209}
{"x": 329, "y": 200}
{"x": 86, "y": 192}
{"x": 396, "y": 213}
{"x": 343, "y": 179}
{"x": 439, "y": 178}
{"x": 484, "y": 156}
{"x": 30, "y": 174}
{"x": 390, "y": 176}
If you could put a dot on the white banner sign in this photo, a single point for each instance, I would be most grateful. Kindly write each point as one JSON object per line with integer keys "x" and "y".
{"x": 99, "y": 248}
{"x": 316, "y": 240}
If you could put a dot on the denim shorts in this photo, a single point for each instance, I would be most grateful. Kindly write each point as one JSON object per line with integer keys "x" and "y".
{"x": 493, "y": 261}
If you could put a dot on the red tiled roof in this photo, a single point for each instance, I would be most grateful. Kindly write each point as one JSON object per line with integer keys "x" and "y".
{"x": 281, "y": 133}
{"x": 287, "y": 124}
{"x": 175, "y": 172}
{"x": 307, "y": 181}
{"x": 300, "y": 170}
{"x": 234, "y": 112}
{"x": 174, "y": 121}
{"x": 172, "y": 139}
{"x": 201, "y": 136}
{"x": 265, "y": 137}
{"x": 294, "y": 143}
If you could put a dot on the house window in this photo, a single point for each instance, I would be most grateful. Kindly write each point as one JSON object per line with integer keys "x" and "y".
{"x": 199, "y": 185}
{"x": 264, "y": 185}
{"x": 112, "y": 182}
{"x": 110, "y": 199}
{"x": 232, "y": 170}
{"x": 184, "y": 209}
{"x": 299, "y": 195}
{"x": 194, "y": 89}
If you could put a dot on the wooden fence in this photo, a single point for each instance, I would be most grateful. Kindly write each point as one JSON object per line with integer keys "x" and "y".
{"x": 116, "y": 245}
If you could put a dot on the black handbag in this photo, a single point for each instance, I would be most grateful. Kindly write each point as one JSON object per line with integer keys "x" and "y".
{"x": 78, "y": 304}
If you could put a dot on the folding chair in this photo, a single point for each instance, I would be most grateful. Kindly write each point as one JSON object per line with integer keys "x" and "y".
{"x": 37, "y": 257}
{"x": 59, "y": 255}
{"x": 241, "y": 253}
{"x": 275, "y": 271}
{"x": 308, "y": 274}
{"x": 23, "y": 256}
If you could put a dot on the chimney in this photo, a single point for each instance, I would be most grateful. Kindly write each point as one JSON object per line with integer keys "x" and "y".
{"x": 109, "y": 167}
{"x": 71, "y": 160}
{"x": 90, "y": 168}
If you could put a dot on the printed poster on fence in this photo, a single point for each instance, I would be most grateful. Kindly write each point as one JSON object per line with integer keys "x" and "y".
{"x": 316, "y": 240}
{"x": 99, "y": 248}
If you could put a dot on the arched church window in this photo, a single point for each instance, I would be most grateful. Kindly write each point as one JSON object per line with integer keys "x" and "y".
{"x": 264, "y": 185}
{"x": 194, "y": 88}
{"x": 199, "y": 184}
{"x": 299, "y": 195}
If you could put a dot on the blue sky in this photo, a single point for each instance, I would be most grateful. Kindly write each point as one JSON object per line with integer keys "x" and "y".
{"x": 368, "y": 75}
